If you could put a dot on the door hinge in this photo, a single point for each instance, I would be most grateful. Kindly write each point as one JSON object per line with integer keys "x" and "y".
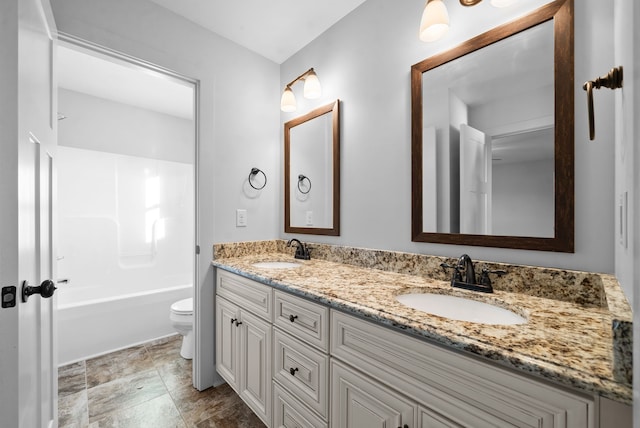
{"x": 197, "y": 249}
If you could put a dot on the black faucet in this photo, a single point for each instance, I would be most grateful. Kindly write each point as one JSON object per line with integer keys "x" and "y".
{"x": 464, "y": 275}
{"x": 302, "y": 251}
{"x": 465, "y": 267}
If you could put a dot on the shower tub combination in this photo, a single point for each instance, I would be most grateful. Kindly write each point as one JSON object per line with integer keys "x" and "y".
{"x": 126, "y": 240}
{"x": 96, "y": 325}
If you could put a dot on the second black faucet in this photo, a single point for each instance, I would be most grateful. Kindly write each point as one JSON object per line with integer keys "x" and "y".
{"x": 464, "y": 275}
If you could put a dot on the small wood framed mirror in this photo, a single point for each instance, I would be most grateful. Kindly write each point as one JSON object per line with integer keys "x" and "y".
{"x": 312, "y": 172}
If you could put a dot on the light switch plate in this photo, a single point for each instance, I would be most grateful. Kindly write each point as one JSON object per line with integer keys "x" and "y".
{"x": 241, "y": 218}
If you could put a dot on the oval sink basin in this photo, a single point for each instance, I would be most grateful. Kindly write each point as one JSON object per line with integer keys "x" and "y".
{"x": 461, "y": 309}
{"x": 277, "y": 265}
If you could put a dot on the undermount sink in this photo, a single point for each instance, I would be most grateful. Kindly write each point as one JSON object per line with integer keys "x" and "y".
{"x": 461, "y": 309}
{"x": 277, "y": 265}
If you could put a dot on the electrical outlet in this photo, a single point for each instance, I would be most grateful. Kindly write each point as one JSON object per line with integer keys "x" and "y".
{"x": 241, "y": 218}
{"x": 309, "y": 218}
{"x": 622, "y": 219}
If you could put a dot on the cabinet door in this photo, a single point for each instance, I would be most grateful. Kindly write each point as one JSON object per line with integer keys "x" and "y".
{"x": 255, "y": 351}
{"x": 227, "y": 346}
{"x": 358, "y": 402}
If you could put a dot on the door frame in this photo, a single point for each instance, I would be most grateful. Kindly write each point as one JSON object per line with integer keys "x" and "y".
{"x": 200, "y": 356}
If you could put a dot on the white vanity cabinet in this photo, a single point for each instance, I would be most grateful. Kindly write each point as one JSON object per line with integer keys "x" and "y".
{"x": 244, "y": 340}
{"x": 299, "y": 364}
{"x": 439, "y": 388}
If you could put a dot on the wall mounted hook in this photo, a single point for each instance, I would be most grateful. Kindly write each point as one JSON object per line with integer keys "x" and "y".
{"x": 253, "y": 173}
{"x": 612, "y": 80}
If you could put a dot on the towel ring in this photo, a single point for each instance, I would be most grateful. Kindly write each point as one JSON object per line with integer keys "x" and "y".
{"x": 253, "y": 173}
{"x": 301, "y": 178}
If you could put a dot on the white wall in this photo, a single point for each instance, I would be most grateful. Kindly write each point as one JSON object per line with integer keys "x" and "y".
{"x": 94, "y": 123}
{"x": 365, "y": 61}
{"x": 627, "y": 162}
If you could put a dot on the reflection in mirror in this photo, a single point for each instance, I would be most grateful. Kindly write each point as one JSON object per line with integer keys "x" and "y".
{"x": 493, "y": 137}
{"x": 312, "y": 172}
{"x": 494, "y": 152}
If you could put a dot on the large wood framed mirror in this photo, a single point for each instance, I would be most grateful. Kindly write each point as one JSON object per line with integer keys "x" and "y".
{"x": 493, "y": 137}
{"x": 312, "y": 172}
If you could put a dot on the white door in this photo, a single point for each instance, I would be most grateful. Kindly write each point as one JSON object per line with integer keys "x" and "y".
{"x": 28, "y": 372}
{"x": 475, "y": 181}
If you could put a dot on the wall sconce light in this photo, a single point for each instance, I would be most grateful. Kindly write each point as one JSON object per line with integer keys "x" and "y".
{"x": 312, "y": 89}
{"x": 435, "y": 21}
{"x": 435, "y": 18}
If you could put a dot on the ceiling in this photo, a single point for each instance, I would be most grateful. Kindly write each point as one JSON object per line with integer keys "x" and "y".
{"x": 90, "y": 73}
{"x": 275, "y": 29}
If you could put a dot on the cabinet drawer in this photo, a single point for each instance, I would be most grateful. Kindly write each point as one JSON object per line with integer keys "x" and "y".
{"x": 458, "y": 388}
{"x": 246, "y": 293}
{"x": 302, "y": 319}
{"x": 288, "y": 412}
{"x": 302, "y": 370}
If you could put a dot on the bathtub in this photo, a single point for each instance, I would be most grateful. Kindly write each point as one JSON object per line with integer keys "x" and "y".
{"x": 88, "y": 327}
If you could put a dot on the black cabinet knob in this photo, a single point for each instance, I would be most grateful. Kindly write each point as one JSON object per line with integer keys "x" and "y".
{"x": 233, "y": 320}
{"x": 293, "y": 371}
{"x": 238, "y": 323}
{"x": 292, "y": 318}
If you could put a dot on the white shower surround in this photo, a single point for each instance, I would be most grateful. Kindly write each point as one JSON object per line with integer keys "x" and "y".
{"x": 124, "y": 269}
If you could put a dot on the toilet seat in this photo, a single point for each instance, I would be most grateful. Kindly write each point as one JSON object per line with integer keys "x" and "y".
{"x": 184, "y": 306}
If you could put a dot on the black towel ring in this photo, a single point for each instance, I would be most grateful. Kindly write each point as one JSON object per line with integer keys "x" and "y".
{"x": 301, "y": 178}
{"x": 253, "y": 173}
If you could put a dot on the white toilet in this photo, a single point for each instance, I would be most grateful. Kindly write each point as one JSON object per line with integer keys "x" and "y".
{"x": 181, "y": 316}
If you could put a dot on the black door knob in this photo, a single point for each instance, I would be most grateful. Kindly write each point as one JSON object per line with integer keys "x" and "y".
{"x": 46, "y": 289}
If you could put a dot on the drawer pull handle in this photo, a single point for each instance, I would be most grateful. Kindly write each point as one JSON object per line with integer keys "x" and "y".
{"x": 293, "y": 371}
{"x": 238, "y": 323}
{"x": 405, "y": 426}
{"x": 292, "y": 318}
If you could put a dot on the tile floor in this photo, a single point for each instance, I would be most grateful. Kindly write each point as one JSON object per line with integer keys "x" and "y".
{"x": 145, "y": 386}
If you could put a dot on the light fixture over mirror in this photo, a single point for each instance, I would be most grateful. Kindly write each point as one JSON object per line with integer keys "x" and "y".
{"x": 312, "y": 90}
{"x": 435, "y": 21}
{"x": 435, "y": 17}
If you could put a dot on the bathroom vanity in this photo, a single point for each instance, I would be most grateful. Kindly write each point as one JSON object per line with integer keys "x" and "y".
{"x": 327, "y": 344}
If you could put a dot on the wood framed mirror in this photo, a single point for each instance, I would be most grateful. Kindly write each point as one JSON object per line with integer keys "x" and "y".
{"x": 493, "y": 137}
{"x": 312, "y": 172}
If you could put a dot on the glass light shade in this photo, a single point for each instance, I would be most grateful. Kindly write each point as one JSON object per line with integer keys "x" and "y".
{"x": 288, "y": 100}
{"x": 312, "y": 88}
{"x": 435, "y": 21}
{"x": 502, "y": 3}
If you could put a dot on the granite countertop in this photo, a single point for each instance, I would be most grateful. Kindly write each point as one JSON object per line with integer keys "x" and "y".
{"x": 565, "y": 342}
